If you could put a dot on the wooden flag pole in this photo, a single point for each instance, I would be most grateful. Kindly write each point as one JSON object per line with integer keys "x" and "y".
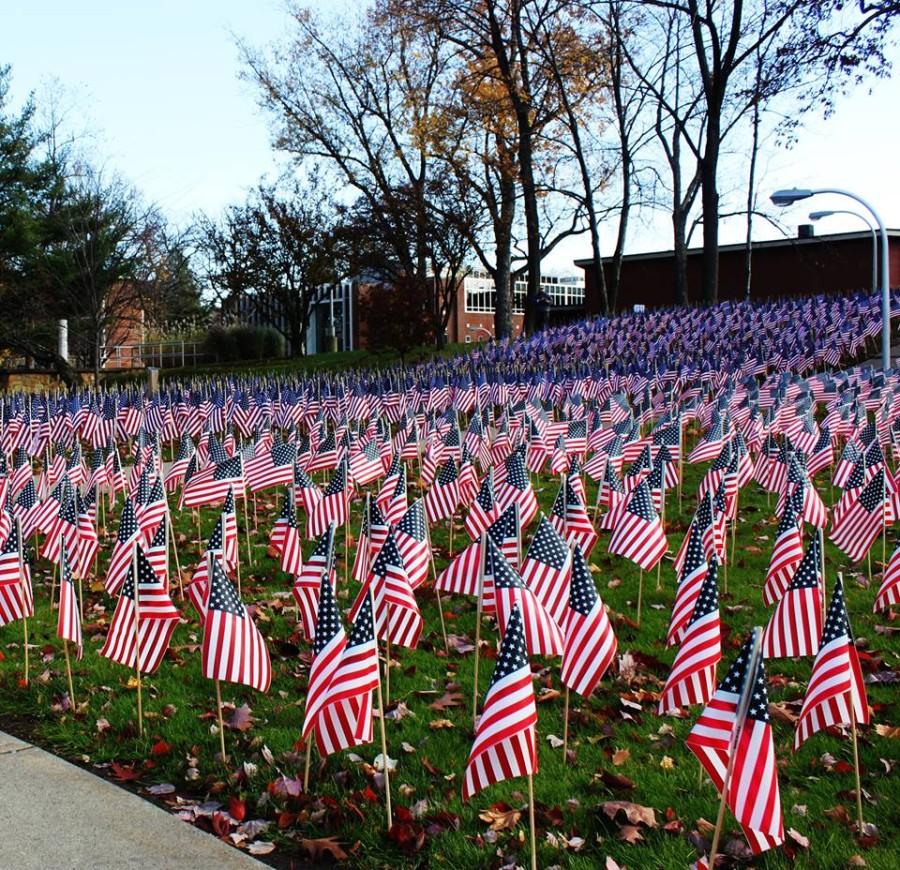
{"x": 170, "y": 539}
{"x": 22, "y": 592}
{"x": 565, "y": 746}
{"x": 247, "y": 531}
{"x": 821, "y": 533}
{"x": 309, "y": 741}
{"x": 663, "y": 524}
{"x": 437, "y": 591}
{"x": 531, "y": 822}
{"x": 137, "y": 638}
{"x": 640, "y": 596}
{"x": 69, "y": 673}
{"x": 387, "y": 653}
{"x": 859, "y": 807}
{"x": 481, "y": 556}
{"x": 221, "y": 723}
{"x": 735, "y": 737}
{"x": 384, "y": 758}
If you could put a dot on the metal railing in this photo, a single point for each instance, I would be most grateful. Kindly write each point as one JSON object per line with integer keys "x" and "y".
{"x": 162, "y": 354}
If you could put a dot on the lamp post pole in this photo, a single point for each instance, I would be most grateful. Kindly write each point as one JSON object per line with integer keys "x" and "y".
{"x": 818, "y": 215}
{"x": 790, "y": 196}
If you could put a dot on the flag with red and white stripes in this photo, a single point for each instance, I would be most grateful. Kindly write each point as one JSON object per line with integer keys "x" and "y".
{"x": 546, "y": 569}
{"x": 333, "y": 507}
{"x": 796, "y": 624}
{"x": 786, "y": 554}
{"x": 16, "y": 600}
{"x": 719, "y": 737}
{"x": 346, "y": 719}
{"x": 858, "y": 527}
{"x": 836, "y": 692}
{"x": 692, "y": 679}
{"x": 328, "y": 649}
{"x": 638, "y": 534}
{"x": 590, "y": 643}
{"x": 306, "y": 584}
{"x": 233, "y": 648}
{"x": 143, "y": 621}
{"x": 68, "y": 622}
{"x": 692, "y": 573}
{"x": 120, "y": 560}
{"x": 505, "y": 744}
{"x": 889, "y": 591}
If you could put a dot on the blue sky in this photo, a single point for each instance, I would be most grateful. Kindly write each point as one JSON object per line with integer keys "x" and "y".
{"x": 157, "y": 84}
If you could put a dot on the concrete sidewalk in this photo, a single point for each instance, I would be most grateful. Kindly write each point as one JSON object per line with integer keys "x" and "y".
{"x": 59, "y": 816}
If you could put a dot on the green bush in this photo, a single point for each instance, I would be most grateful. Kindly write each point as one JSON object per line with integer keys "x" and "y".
{"x": 238, "y": 343}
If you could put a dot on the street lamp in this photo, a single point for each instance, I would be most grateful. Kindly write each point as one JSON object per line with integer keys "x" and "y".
{"x": 818, "y": 215}
{"x": 789, "y": 196}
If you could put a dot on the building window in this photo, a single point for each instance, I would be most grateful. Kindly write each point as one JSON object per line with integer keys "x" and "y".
{"x": 468, "y": 339}
{"x": 480, "y": 295}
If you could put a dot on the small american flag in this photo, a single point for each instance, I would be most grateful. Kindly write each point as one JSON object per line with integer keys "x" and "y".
{"x": 328, "y": 649}
{"x": 120, "y": 560}
{"x": 796, "y": 624}
{"x": 273, "y": 467}
{"x": 590, "y": 643}
{"x": 693, "y": 571}
{"x": 211, "y": 485}
{"x": 786, "y": 554}
{"x": 693, "y": 675}
{"x": 414, "y": 544}
{"x": 68, "y": 622}
{"x": 233, "y": 648}
{"x": 517, "y": 488}
{"x": 889, "y": 592}
{"x": 306, "y": 585}
{"x": 638, "y": 534}
{"x": 542, "y": 634}
{"x": 863, "y": 520}
{"x": 442, "y": 498}
{"x": 333, "y": 507}
{"x": 505, "y": 743}
{"x": 836, "y": 690}
{"x": 546, "y": 569}
{"x": 16, "y": 598}
{"x": 346, "y": 719}
{"x": 753, "y": 795}
{"x": 484, "y": 508}
{"x": 143, "y": 621}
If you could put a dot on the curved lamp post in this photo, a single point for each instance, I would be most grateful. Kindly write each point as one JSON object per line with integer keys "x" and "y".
{"x": 789, "y": 196}
{"x": 819, "y": 215}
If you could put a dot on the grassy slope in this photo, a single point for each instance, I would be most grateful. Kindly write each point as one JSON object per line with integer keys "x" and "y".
{"x": 433, "y": 771}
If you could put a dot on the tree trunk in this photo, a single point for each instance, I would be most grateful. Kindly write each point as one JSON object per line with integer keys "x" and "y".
{"x": 532, "y": 225}
{"x": 679, "y": 244}
{"x": 622, "y": 232}
{"x": 503, "y": 296}
{"x": 710, "y": 200}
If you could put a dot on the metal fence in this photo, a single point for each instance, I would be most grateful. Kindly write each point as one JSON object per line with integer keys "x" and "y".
{"x": 162, "y": 354}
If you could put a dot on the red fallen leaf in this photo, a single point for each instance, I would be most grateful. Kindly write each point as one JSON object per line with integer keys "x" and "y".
{"x": 370, "y": 795}
{"x": 161, "y": 748}
{"x": 23, "y": 683}
{"x": 408, "y": 836}
{"x": 237, "y": 809}
{"x": 430, "y": 767}
{"x": 221, "y": 824}
{"x": 843, "y": 767}
{"x": 124, "y": 772}
{"x": 286, "y": 819}
{"x": 326, "y": 846}
{"x": 676, "y": 826}
{"x": 615, "y": 781}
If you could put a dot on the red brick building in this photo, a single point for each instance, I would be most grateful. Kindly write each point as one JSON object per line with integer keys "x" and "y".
{"x": 837, "y": 263}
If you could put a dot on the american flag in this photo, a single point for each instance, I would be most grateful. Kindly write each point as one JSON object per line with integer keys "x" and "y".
{"x": 233, "y": 648}
{"x": 282, "y": 521}
{"x": 590, "y": 643}
{"x": 274, "y": 466}
{"x": 154, "y": 509}
{"x": 542, "y": 634}
{"x": 328, "y": 649}
{"x": 393, "y": 500}
{"x": 346, "y": 719}
{"x": 863, "y": 520}
{"x": 505, "y": 743}
{"x": 68, "y": 622}
{"x": 211, "y": 485}
{"x": 889, "y": 592}
{"x": 333, "y": 507}
{"x": 786, "y": 554}
{"x": 157, "y": 553}
{"x": 143, "y": 621}
{"x": 721, "y": 738}
{"x": 836, "y": 690}
{"x": 120, "y": 560}
{"x": 442, "y": 498}
{"x": 414, "y": 543}
{"x": 229, "y": 531}
{"x": 63, "y": 528}
{"x": 16, "y": 599}
{"x": 570, "y": 518}
{"x": 179, "y": 466}
{"x": 372, "y": 534}
{"x": 546, "y": 569}
{"x": 638, "y": 534}
{"x": 306, "y": 493}
{"x": 693, "y": 675}
{"x": 306, "y": 585}
{"x": 611, "y": 495}
{"x": 397, "y": 615}
{"x": 484, "y": 508}
{"x": 291, "y": 545}
{"x": 796, "y": 624}
{"x": 691, "y": 576}
{"x": 365, "y": 464}
{"x": 516, "y": 488}
{"x": 26, "y": 508}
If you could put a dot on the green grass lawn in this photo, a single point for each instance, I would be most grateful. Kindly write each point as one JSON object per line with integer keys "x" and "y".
{"x": 620, "y": 749}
